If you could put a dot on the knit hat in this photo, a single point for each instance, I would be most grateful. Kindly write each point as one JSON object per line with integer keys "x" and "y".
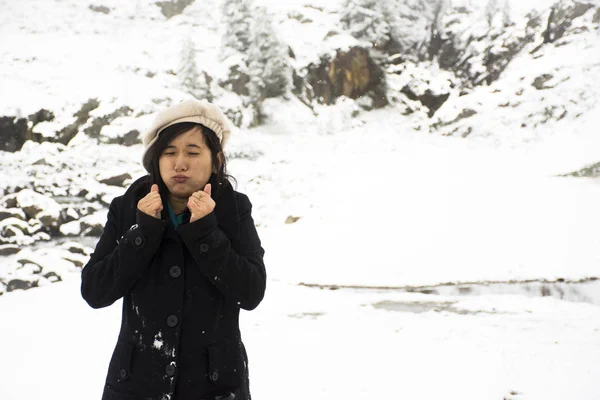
{"x": 192, "y": 110}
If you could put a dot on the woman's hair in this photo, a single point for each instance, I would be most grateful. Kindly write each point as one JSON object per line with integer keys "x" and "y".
{"x": 217, "y": 180}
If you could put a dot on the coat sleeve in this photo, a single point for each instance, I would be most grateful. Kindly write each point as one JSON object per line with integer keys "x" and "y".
{"x": 239, "y": 273}
{"x": 117, "y": 263}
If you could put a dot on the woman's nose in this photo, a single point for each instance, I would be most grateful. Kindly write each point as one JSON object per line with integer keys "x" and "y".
{"x": 180, "y": 163}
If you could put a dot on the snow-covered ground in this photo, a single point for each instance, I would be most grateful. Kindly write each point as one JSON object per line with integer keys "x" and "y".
{"x": 320, "y": 344}
{"x": 374, "y": 199}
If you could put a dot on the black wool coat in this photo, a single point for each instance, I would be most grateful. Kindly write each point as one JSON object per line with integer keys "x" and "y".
{"x": 182, "y": 291}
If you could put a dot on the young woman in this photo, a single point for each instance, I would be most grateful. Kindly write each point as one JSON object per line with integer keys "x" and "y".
{"x": 180, "y": 247}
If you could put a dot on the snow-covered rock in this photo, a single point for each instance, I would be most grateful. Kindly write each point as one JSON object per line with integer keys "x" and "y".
{"x": 34, "y": 204}
{"x": 114, "y": 180}
{"x": 72, "y": 228}
{"x": 32, "y": 268}
{"x": 11, "y": 212}
{"x": 9, "y": 249}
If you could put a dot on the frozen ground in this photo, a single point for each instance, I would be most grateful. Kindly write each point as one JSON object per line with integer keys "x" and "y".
{"x": 375, "y": 201}
{"x": 320, "y": 344}
{"x": 442, "y": 210}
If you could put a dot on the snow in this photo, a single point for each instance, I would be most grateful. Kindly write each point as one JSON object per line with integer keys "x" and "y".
{"x": 375, "y": 198}
{"x": 72, "y": 228}
{"x": 339, "y": 341}
{"x": 158, "y": 342}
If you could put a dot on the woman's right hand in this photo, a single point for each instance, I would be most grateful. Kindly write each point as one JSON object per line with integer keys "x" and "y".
{"x": 151, "y": 204}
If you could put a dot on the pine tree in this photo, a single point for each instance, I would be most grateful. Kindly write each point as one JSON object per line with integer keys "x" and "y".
{"x": 490, "y": 11}
{"x": 506, "y": 19}
{"x": 268, "y": 62}
{"x": 237, "y": 19}
{"x": 366, "y": 20}
{"x": 190, "y": 79}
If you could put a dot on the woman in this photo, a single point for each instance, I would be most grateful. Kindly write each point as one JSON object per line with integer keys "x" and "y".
{"x": 181, "y": 248}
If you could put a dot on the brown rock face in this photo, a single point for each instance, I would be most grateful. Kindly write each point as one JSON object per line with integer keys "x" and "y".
{"x": 352, "y": 74}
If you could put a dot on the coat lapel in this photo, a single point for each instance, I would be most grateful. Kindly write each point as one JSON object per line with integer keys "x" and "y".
{"x": 226, "y": 210}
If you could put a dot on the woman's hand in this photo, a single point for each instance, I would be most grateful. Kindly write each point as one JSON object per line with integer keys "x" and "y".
{"x": 151, "y": 204}
{"x": 200, "y": 203}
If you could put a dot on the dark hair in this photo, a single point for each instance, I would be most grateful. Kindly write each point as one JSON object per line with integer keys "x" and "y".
{"x": 217, "y": 180}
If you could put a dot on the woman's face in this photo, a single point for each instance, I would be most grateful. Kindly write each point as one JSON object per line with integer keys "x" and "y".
{"x": 186, "y": 164}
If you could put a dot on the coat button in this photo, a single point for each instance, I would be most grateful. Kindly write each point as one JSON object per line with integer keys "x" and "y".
{"x": 122, "y": 373}
{"x": 204, "y": 247}
{"x": 170, "y": 370}
{"x": 172, "y": 321}
{"x": 214, "y": 376}
{"x": 175, "y": 271}
{"x": 138, "y": 241}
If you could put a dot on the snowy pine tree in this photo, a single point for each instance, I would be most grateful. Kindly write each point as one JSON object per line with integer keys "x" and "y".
{"x": 237, "y": 20}
{"x": 366, "y": 20}
{"x": 191, "y": 80}
{"x": 506, "y": 12}
{"x": 490, "y": 11}
{"x": 268, "y": 60}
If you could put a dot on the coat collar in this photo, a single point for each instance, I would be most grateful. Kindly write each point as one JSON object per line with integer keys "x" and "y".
{"x": 226, "y": 207}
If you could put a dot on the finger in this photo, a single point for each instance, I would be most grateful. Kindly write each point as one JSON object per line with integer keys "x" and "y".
{"x": 152, "y": 197}
{"x": 152, "y": 202}
{"x": 193, "y": 201}
{"x": 208, "y": 189}
{"x": 154, "y": 188}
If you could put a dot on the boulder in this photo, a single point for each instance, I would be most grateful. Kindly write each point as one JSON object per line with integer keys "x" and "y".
{"x": 76, "y": 248}
{"x": 351, "y": 73}
{"x": 90, "y": 225}
{"x": 100, "y": 9}
{"x": 114, "y": 180}
{"x": 41, "y": 116}
{"x": 540, "y": 82}
{"x": 33, "y": 203}
{"x": 10, "y": 232}
{"x": 19, "y": 284}
{"x": 52, "y": 277}
{"x": 561, "y": 18}
{"x": 11, "y": 213}
{"x": 173, "y": 7}
{"x": 98, "y": 123}
{"x": 8, "y": 226}
{"x": 291, "y": 219}
{"x": 67, "y": 215}
{"x": 65, "y": 135}
{"x": 9, "y": 250}
{"x": 9, "y": 201}
{"x": 129, "y": 139}
{"x": 13, "y": 133}
{"x": 29, "y": 269}
{"x": 430, "y": 99}
{"x": 72, "y": 228}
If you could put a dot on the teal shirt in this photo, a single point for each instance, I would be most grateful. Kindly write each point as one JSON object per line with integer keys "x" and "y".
{"x": 178, "y": 219}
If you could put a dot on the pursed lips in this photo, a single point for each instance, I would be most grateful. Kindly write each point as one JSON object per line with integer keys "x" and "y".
{"x": 180, "y": 178}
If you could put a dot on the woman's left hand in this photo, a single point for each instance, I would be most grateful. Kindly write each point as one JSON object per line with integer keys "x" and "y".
{"x": 200, "y": 203}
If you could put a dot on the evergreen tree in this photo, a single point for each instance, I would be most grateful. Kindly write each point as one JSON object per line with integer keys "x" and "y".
{"x": 191, "y": 80}
{"x": 490, "y": 11}
{"x": 506, "y": 19}
{"x": 268, "y": 62}
{"x": 237, "y": 20}
{"x": 366, "y": 20}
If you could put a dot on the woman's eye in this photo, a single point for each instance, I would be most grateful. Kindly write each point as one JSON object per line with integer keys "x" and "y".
{"x": 194, "y": 154}
{"x": 170, "y": 153}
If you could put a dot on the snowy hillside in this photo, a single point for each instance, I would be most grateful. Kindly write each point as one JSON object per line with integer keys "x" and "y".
{"x": 387, "y": 146}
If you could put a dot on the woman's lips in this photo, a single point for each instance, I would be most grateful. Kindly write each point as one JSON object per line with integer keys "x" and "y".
{"x": 180, "y": 178}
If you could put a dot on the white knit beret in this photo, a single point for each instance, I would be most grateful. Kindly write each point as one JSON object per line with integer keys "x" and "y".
{"x": 192, "y": 110}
